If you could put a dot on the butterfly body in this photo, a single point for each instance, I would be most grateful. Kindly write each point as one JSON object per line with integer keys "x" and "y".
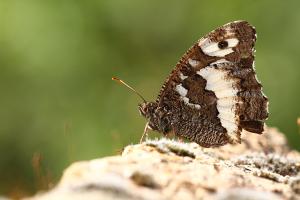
{"x": 212, "y": 94}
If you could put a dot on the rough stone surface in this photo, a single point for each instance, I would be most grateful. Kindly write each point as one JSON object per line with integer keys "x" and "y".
{"x": 262, "y": 167}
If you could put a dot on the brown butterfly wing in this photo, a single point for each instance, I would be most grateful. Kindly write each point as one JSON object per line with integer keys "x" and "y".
{"x": 212, "y": 93}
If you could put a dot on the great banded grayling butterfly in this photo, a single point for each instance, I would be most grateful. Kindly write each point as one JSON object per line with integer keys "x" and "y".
{"x": 212, "y": 94}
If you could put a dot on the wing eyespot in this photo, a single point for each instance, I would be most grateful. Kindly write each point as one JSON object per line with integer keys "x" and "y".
{"x": 223, "y": 44}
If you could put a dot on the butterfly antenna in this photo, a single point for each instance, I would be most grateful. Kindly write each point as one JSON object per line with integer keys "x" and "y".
{"x": 122, "y": 82}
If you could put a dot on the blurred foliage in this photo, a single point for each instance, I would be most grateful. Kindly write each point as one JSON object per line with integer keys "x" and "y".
{"x": 57, "y": 59}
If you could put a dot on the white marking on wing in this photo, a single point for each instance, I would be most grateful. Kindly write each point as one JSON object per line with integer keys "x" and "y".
{"x": 220, "y": 53}
{"x": 193, "y": 63}
{"x": 213, "y": 77}
{"x": 232, "y": 42}
{"x": 220, "y": 61}
{"x": 187, "y": 101}
{"x": 203, "y": 43}
{"x": 223, "y": 87}
{"x": 182, "y": 77}
{"x": 231, "y": 128}
{"x": 228, "y": 92}
{"x": 226, "y": 102}
{"x": 207, "y": 73}
{"x": 226, "y": 114}
{"x": 219, "y": 85}
{"x": 183, "y": 92}
{"x": 197, "y": 106}
{"x": 211, "y": 48}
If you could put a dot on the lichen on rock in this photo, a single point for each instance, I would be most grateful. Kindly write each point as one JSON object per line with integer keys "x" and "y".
{"x": 262, "y": 167}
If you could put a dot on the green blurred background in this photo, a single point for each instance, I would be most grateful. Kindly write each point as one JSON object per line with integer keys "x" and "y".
{"x": 58, "y": 103}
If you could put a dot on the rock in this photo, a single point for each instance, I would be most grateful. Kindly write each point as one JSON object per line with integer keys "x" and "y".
{"x": 261, "y": 167}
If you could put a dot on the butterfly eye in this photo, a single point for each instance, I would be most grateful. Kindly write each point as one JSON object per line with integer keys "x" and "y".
{"x": 223, "y": 44}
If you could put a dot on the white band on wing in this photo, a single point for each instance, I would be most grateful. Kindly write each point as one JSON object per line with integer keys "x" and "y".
{"x": 223, "y": 87}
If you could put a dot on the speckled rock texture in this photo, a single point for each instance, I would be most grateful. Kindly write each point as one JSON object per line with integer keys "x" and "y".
{"x": 262, "y": 168}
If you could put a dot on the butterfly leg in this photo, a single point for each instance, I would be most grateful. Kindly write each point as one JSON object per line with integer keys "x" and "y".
{"x": 145, "y": 132}
{"x": 180, "y": 139}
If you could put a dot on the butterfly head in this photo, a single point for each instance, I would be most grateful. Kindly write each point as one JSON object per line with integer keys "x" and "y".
{"x": 156, "y": 116}
{"x": 147, "y": 108}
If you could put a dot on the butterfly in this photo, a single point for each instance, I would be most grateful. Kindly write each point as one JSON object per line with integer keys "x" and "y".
{"x": 213, "y": 93}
